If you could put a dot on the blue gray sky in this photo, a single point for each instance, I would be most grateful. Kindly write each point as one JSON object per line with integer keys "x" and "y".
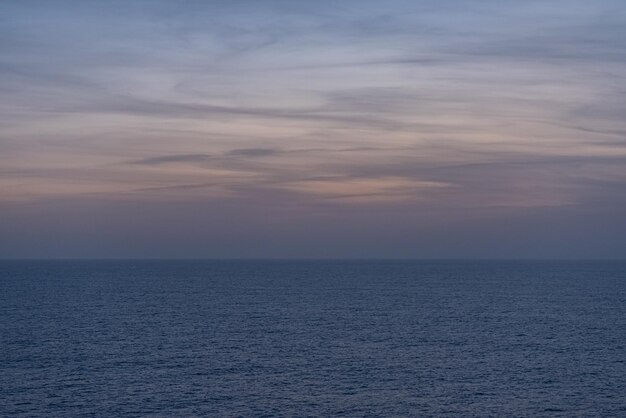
{"x": 387, "y": 129}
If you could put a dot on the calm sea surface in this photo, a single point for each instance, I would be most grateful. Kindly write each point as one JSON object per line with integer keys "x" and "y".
{"x": 184, "y": 338}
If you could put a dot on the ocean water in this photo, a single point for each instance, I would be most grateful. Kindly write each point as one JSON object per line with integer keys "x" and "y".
{"x": 244, "y": 338}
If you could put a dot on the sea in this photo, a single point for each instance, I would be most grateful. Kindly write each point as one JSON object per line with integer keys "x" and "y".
{"x": 312, "y": 338}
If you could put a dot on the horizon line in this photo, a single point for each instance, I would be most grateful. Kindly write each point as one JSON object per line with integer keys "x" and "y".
{"x": 310, "y": 259}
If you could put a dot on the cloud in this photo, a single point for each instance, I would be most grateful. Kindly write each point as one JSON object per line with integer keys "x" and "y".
{"x": 169, "y": 159}
{"x": 363, "y": 189}
{"x": 253, "y": 152}
{"x": 205, "y": 158}
{"x": 413, "y": 112}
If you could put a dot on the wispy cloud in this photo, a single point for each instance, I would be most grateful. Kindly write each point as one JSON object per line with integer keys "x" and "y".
{"x": 167, "y": 159}
{"x": 450, "y": 110}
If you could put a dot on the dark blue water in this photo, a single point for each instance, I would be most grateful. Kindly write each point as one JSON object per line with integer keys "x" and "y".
{"x": 312, "y": 338}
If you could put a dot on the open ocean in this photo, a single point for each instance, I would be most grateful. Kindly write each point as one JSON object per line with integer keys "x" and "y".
{"x": 322, "y": 338}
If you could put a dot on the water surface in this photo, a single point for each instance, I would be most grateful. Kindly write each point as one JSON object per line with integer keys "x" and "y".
{"x": 114, "y": 338}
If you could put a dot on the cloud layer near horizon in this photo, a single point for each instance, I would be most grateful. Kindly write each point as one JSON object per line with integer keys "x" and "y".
{"x": 281, "y": 128}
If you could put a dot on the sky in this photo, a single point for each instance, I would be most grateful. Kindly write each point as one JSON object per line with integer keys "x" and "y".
{"x": 313, "y": 129}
